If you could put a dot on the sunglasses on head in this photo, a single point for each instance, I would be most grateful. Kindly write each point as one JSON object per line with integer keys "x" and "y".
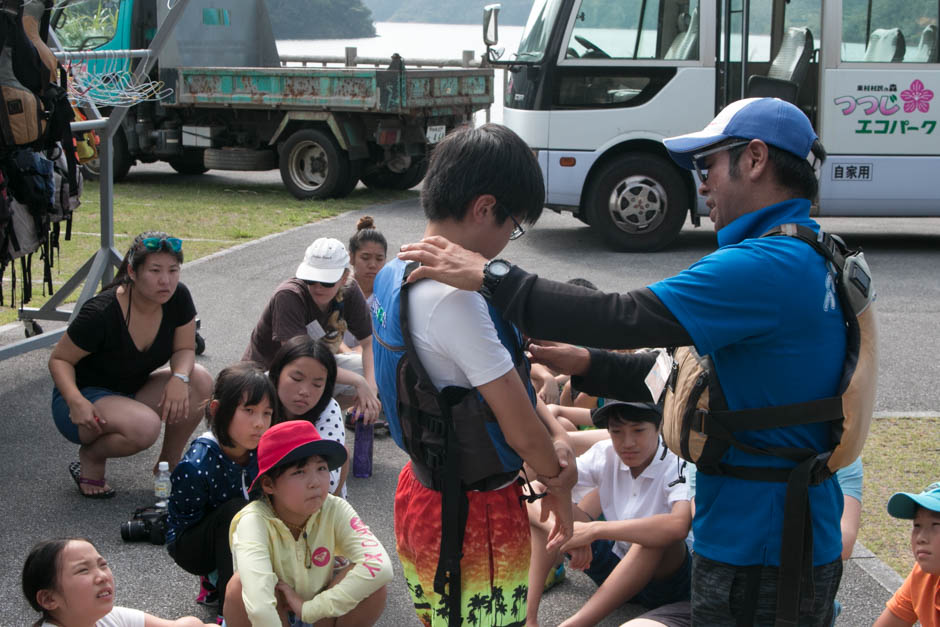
{"x": 157, "y": 243}
{"x": 321, "y": 283}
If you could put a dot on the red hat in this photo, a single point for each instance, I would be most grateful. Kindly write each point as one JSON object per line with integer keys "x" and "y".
{"x": 292, "y": 440}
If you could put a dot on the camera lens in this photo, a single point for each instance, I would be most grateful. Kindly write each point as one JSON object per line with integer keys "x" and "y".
{"x": 134, "y": 531}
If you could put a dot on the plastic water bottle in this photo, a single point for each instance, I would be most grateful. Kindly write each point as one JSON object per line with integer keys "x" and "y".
{"x": 161, "y": 484}
{"x": 362, "y": 450}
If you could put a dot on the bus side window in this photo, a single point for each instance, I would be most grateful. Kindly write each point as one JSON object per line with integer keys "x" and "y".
{"x": 884, "y": 31}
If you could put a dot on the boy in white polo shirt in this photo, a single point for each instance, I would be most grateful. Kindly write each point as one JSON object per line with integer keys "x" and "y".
{"x": 631, "y": 525}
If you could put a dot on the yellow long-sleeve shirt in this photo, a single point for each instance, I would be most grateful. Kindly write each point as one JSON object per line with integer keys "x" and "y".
{"x": 264, "y": 551}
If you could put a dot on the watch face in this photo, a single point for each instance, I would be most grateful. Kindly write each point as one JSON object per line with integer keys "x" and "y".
{"x": 498, "y": 268}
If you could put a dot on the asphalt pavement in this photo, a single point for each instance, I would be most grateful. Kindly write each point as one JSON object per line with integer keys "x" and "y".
{"x": 230, "y": 289}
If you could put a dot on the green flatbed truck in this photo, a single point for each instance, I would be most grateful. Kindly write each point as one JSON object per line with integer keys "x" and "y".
{"x": 234, "y": 106}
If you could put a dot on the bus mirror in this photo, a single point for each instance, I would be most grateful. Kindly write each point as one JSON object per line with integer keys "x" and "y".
{"x": 491, "y": 24}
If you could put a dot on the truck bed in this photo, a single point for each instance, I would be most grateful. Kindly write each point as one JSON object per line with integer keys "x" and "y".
{"x": 350, "y": 89}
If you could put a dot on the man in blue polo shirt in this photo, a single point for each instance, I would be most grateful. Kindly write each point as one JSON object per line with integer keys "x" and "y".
{"x": 764, "y": 309}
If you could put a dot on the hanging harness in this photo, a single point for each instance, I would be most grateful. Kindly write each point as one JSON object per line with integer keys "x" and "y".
{"x": 699, "y": 427}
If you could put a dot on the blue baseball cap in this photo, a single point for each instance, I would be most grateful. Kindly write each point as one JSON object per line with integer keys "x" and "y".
{"x": 771, "y": 120}
{"x": 904, "y": 504}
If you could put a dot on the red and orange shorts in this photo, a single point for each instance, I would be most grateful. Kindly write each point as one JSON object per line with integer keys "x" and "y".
{"x": 495, "y": 565}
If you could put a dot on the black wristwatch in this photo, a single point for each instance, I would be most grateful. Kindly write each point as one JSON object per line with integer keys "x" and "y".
{"x": 493, "y": 273}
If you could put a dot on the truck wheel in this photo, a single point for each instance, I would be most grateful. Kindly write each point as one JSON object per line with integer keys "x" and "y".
{"x": 352, "y": 180}
{"x": 239, "y": 159}
{"x": 190, "y": 162}
{"x": 313, "y": 165}
{"x": 383, "y": 178}
{"x": 637, "y": 202}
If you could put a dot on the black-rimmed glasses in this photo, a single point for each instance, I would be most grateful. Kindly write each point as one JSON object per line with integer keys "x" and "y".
{"x": 517, "y": 230}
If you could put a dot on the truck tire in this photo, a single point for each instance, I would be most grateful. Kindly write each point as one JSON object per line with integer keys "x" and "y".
{"x": 314, "y": 166}
{"x": 239, "y": 159}
{"x": 121, "y": 159}
{"x": 352, "y": 180}
{"x": 190, "y": 162}
{"x": 637, "y": 202}
{"x": 383, "y": 178}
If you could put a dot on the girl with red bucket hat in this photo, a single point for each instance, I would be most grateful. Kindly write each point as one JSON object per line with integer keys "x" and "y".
{"x": 302, "y": 554}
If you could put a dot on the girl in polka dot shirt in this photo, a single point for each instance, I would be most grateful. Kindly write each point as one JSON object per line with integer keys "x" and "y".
{"x": 304, "y": 373}
{"x": 210, "y": 484}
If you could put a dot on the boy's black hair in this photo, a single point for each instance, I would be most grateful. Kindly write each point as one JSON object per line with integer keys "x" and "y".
{"x": 627, "y": 412}
{"x": 241, "y": 383}
{"x": 295, "y": 348}
{"x": 471, "y": 162}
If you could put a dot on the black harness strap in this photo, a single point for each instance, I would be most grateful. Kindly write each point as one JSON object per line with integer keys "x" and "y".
{"x": 454, "y": 504}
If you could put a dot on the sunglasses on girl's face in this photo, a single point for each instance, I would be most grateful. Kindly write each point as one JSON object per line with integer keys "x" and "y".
{"x": 157, "y": 243}
{"x": 321, "y": 283}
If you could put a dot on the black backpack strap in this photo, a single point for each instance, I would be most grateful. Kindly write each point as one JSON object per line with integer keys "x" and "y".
{"x": 454, "y": 504}
{"x": 795, "y": 589}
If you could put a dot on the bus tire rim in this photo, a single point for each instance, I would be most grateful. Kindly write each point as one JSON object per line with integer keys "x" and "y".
{"x": 637, "y": 203}
{"x": 309, "y": 165}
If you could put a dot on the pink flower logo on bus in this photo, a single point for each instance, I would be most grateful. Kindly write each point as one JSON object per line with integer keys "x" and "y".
{"x": 917, "y": 97}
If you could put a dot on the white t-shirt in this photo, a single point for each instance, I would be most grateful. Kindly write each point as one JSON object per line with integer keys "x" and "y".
{"x": 625, "y": 498}
{"x": 455, "y": 337}
{"x": 117, "y": 617}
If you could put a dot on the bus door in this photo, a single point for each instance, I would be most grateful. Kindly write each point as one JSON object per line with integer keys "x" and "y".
{"x": 769, "y": 49}
{"x": 879, "y": 108}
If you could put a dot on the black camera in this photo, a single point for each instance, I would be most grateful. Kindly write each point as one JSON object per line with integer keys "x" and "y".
{"x": 148, "y": 523}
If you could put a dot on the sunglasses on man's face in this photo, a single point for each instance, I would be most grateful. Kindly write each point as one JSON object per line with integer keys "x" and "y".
{"x": 320, "y": 283}
{"x": 158, "y": 243}
{"x": 700, "y": 160}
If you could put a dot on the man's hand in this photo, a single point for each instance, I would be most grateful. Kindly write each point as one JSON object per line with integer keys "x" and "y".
{"x": 562, "y": 358}
{"x": 444, "y": 261}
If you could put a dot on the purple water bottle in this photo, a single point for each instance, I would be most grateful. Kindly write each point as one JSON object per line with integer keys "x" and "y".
{"x": 362, "y": 450}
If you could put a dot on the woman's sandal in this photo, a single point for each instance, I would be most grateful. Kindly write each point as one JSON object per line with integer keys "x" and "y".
{"x": 75, "y": 470}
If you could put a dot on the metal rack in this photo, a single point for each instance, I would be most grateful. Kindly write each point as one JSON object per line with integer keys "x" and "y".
{"x": 98, "y": 269}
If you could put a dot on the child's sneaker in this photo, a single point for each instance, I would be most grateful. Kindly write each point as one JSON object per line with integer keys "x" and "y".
{"x": 208, "y": 594}
{"x": 555, "y": 577}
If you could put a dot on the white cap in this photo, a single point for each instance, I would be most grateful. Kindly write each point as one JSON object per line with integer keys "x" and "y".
{"x": 325, "y": 260}
{"x": 163, "y": 466}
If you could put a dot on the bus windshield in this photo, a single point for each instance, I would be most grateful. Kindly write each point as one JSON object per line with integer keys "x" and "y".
{"x": 537, "y": 30}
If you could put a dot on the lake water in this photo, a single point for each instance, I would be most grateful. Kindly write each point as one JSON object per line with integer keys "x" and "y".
{"x": 416, "y": 41}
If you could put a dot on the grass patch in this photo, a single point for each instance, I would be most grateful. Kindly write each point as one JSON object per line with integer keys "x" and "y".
{"x": 900, "y": 456}
{"x": 208, "y": 213}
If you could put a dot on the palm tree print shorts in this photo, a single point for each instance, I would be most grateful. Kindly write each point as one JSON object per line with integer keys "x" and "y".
{"x": 495, "y": 565}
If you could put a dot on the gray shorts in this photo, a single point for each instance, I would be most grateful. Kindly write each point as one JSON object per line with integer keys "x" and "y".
{"x": 719, "y": 592}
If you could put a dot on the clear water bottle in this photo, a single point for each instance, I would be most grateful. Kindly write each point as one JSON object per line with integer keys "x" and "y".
{"x": 362, "y": 450}
{"x": 161, "y": 484}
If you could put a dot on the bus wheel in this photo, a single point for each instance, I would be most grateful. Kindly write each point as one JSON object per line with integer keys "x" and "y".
{"x": 313, "y": 165}
{"x": 637, "y": 202}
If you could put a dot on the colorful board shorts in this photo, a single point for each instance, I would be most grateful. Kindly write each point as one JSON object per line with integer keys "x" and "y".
{"x": 495, "y": 566}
